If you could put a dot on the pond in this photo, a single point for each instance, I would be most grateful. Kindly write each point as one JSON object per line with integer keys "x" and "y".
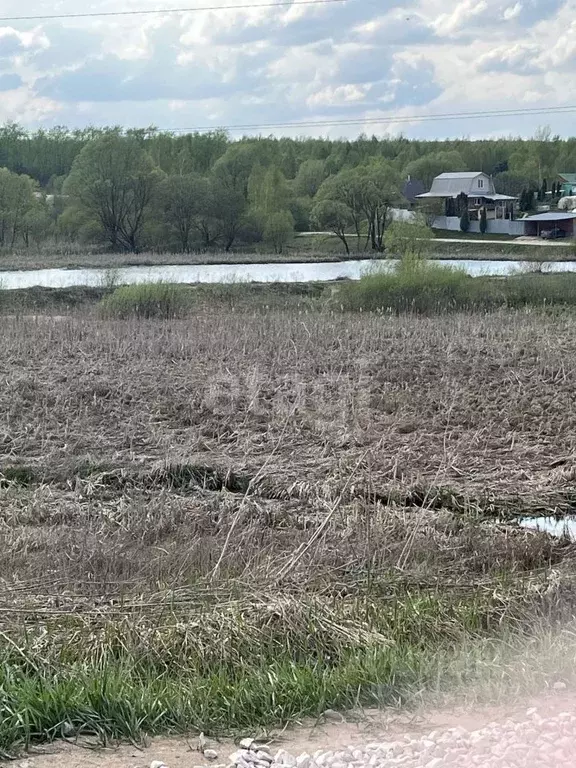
{"x": 555, "y": 526}
{"x": 229, "y": 273}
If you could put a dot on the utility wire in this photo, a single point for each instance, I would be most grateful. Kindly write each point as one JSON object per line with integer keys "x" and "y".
{"x": 384, "y": 119}
{"x": 240, "y": 6}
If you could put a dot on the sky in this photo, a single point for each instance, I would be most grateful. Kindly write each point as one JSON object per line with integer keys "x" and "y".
{"x": 362, "y": 60}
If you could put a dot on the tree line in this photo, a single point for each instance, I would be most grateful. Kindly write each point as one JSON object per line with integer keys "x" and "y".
{"x": 135, "y": 189}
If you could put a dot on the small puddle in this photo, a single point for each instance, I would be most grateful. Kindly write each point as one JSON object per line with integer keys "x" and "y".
{"x": 562, "y": 526}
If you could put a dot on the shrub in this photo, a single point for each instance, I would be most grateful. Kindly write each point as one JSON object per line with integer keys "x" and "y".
{"x": 465, "y": 221}
{"x": 145, "y": 300}
{"x": 411, "y": 285}
{"x": 408, "y": 238}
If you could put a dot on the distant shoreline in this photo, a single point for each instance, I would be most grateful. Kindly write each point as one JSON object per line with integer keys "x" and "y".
{"x": 445, "y": 251}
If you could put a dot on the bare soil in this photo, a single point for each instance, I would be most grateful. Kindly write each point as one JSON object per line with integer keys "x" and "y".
{"x": 336, "y": 731}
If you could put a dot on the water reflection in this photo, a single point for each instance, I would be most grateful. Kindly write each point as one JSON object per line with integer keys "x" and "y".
{"x": 564, "y": 526}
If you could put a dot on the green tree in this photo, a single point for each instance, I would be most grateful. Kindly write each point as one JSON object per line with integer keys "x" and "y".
{"x": 17, "y": 199}
{"x": 275, "y": 194}
{"x": 113, "y": 180}
{"x": 36, "y": 224}
{"x": 334, "y": 216}
{"x": 426, "y": 168}
{"x": 527, "y": 200}
{"x": 465, "y": 221}
{"x": 268, "y": 193}
{"x": 346, "y": 188}
{"x": 180, "y": 198}
{"x": 309, "y": 178}
{"x": 381, "y": 193}
{"x": 227, "y": 208}
{"x": 233, "y": 169}
{"x": 429, "y": 209}
{"x": 255, "y": 187}
{"x": 408, "y": 238}
{"x": 300, "y": 208}
{"x": 278, "y": 229}
{"x": 509, "y": 183}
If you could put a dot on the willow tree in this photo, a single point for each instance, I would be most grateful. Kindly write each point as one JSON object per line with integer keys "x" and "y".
{"x": 114, "y": 180}
{"x": 17, "y": 199}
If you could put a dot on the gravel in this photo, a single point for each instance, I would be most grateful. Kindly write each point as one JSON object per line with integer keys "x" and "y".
{"x": 532, "y": 742}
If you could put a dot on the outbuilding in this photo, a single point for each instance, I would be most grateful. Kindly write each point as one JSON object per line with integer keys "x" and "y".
{"x": 568, "y": 182}
{"x": 543, "y": 222}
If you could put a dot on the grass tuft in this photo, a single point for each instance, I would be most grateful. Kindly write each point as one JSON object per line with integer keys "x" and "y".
{"x": 147, "y": 300}
{"x": 411, "y": 284}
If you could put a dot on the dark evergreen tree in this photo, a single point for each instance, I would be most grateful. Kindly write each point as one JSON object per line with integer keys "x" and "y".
{"x": 483, "y": 220}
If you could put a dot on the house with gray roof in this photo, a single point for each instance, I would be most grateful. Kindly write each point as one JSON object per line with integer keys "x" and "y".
{"x": 477, "y": 186}
{"x": 450, "y": 185}
{"x": 474, "y": 190}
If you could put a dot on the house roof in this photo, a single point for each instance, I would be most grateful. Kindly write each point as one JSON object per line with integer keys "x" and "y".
{"x": 495, "y": 198}
{"x": 569, "y": 178}
{"x": 462, "y": 175}
{"x": 412, "y": 188}
{"x": 454, "y": 184}
{"x": 551, "y": 216}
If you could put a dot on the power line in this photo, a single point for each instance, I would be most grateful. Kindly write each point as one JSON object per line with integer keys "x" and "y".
{"x": 241, "y": 6}
{"x": 385, "y": 119}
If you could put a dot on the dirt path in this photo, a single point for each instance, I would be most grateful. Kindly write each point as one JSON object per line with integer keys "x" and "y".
{"x": 332, "y": 732}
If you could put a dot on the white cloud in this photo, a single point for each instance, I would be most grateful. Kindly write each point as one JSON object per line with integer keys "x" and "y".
{"x": 276, "y": 65}
{"x": 459, "y": 18}
{"x": 512, "y": 12}
{"x": 517, "y": 58}
{"x": 338, "y": 95}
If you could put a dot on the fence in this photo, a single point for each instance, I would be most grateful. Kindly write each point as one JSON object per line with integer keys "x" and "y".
{"x": 495, "y": 226}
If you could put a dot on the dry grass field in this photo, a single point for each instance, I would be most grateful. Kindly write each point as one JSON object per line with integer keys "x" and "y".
{"x": 243, "y": 517}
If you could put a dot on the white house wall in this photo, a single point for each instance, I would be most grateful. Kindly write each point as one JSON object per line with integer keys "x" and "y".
{"x": 495, "y": 226}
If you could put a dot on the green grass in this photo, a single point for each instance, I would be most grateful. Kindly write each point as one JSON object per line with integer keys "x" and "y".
{"x": 147, "y": 300}
{"x": 409, "y": 285}
{"x": 399, "y": 287}
{"x": 414, "y": 285}
{"x": 251, "y": 665}
{"x": 540, "y": 290}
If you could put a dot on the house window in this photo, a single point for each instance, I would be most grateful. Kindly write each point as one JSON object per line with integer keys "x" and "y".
{"x": 480, "y": 183}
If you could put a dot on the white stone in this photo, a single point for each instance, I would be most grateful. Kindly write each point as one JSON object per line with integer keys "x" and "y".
{"x": 246, "y": 743}
{"x": 158, "y": 764}
{"x": 285, "y": 758}
{"x": 331, "y": 714}
{"x": 210, "y": 754}
{"x": 303, "y": 761}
